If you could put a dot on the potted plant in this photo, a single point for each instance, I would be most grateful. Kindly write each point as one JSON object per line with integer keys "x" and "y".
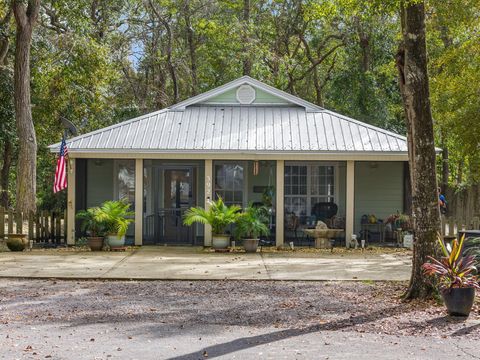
{"x": 455, "y": 275}
{"x": 92, "y": 227}
{"x": 251, "y": 224}
{"x": 17, "y": 242}
{"x": 218, "y": 216}
{"x": 115, "y": 217}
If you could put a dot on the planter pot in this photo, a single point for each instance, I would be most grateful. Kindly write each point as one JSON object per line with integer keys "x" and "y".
{"x": 115, "y": 241}
{"x": 459, "y": 301}
{"x": 220, "y": 242}
{"x": 17, "y": 242}
{"x": 95, "y": 243}
{"x": 250, "y": 245}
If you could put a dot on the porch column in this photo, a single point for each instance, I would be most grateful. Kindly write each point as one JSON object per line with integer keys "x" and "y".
{"x": 70, "y": 235}
{"x": 350, "y": 201}
{"x": 279, "y": 198}
{"x": 138, "y": 201}
{"x": 207, "y": 236}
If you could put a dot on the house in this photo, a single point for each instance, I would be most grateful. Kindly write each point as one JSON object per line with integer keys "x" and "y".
{"x": 247, "y": 142}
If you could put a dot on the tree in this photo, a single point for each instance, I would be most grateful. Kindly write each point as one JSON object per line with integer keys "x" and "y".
{"x": 25, "y": 19}
{"x": 6, "y": 109}
{"x": 414, "y": 87}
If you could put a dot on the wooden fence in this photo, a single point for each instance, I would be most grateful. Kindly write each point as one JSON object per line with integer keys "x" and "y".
{"x": 41, "y": 227}
{"x": 451, "y": 226}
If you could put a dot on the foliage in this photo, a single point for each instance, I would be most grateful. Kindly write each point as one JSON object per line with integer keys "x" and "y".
{"x": 474, "y": 250}
{"x": 252, "y": 223}
{"x": 402, "y": 221}
{"x": 98, "y": 63}
{"x": 218, "y": 216}
{"x": 90, "y": 222}
{"x": 114, "y": 216}
{"x": 453, "y": 270}
{"x": 81, "y": 242}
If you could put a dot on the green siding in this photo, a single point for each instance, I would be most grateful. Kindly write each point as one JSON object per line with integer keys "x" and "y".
{"x": 99, "y": 181}
{"x": 230, "y": 97}
{"x": 378, "y": 189}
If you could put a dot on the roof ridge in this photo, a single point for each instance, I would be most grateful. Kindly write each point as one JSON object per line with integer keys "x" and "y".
{"x": 367, "y": 125}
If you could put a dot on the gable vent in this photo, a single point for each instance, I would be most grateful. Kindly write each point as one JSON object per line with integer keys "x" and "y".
{"x": 245, "y": 94}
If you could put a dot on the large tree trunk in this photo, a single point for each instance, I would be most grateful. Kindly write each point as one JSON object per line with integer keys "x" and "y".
{"x": 412, "y": 63}
{"x": 5, "y": 173}
{"x": 25, "y": 18}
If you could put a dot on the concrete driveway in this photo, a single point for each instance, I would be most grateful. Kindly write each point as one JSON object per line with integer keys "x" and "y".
{"x": 170, "y": 263}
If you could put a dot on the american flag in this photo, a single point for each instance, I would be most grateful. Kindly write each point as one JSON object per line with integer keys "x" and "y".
{"x": 61, "y": 170}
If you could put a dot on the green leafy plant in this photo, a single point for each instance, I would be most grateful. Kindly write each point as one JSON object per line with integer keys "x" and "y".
{"x": 115, "y": 217}
{"x": 453, "y": 270}
{"x": 90, "y": 223}
{"x": 218, "y": 216}
{"x": 80, "y": 242}
{"x": 474, "y": 249}
{"x": 252, "y": 223}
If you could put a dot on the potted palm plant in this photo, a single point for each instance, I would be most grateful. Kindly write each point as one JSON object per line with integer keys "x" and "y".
{"x": 251, "y": 224}
{"x": 115, "y": 217}
{"x": 218, "y": 216}
{"x": 92, "y": 227}
{"x": 455, "y": 275}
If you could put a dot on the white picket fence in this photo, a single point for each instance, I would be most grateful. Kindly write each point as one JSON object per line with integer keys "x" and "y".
{"x": 451, "y": 226}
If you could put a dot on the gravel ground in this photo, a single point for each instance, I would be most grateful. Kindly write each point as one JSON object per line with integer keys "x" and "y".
{"x": 355, "y": 307}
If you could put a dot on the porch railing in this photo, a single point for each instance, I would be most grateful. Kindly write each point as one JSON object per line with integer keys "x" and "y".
{"x": 41, "y": 227}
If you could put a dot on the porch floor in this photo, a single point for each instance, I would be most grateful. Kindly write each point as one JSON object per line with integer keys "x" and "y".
{"x": 192, "y": 263}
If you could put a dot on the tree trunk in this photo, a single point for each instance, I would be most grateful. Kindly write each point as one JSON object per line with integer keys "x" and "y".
{"x": 247, "y": 61}
{"x": 25, "y": 18}
{"x": 5, "y": 173}
{"x": 412, "y": 63}
{"x": 191, "y": 48}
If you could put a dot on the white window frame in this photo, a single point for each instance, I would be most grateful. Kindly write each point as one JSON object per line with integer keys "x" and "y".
{"x": 242, "y": 163}
{"x": 309, "y": 195}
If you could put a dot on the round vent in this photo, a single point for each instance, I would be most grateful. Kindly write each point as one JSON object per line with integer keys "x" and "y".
{"x": 245, "y": 94}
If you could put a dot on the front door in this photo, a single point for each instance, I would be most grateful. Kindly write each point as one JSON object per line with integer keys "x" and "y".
{"x": 178, "y": 197}
{"x": 169, "y": 189}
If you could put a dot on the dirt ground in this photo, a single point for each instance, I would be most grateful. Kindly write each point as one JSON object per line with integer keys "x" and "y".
{"x": 362, "y": 307}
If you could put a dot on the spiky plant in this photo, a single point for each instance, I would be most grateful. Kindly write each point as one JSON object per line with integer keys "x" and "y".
{"x": 252, "y": 223}
{"x": 115, "y": 217}
{"x": 218, "y": 216}
{"x": 90, "y": 224}
{"x": 453, "y": 270}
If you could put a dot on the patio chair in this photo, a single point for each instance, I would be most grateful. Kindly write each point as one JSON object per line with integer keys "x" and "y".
{"x": 324, "y": 211}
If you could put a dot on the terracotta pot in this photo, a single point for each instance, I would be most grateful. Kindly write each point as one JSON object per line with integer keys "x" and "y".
{"x": 459, "y": 301}
{"x": 115, "y": 241}
{"x": 250, "y": 245}
{"x": 95, "y": 243}
{"x": 17, "y": 242}
{"x": 220, "y": 242}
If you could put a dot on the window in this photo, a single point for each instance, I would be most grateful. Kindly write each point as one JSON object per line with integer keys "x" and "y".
{"x": 124, "y": 181}
{"x": 306, "y": 185}
{"x": 229, "y": 183}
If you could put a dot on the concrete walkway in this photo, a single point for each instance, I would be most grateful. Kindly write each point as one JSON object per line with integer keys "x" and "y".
{"x": 167, "y": 263}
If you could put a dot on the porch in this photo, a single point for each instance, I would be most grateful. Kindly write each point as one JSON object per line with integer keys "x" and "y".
{"x": 298, "y": 193}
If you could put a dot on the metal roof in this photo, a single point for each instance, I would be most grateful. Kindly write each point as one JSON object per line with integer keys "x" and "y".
{"x": 239, "y": 128}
